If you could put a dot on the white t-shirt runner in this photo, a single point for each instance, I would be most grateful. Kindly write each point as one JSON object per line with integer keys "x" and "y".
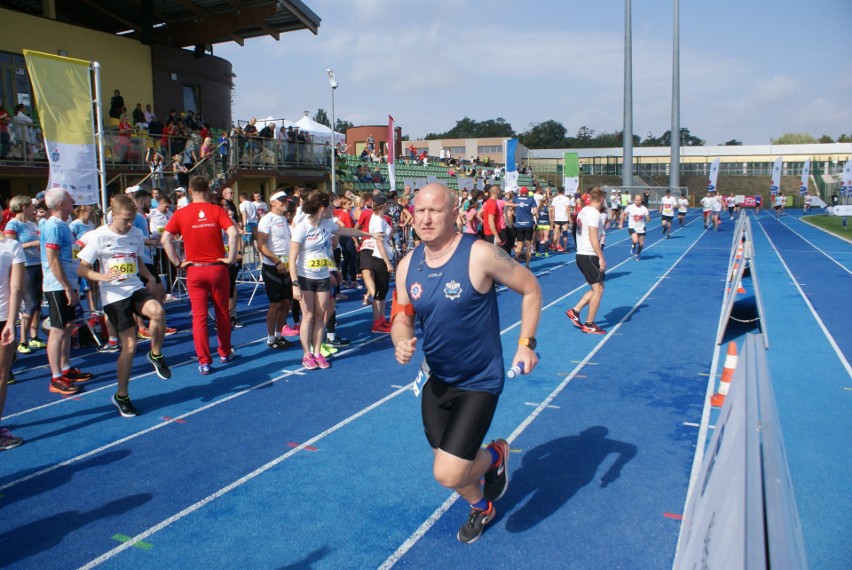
{"x": 668, "y": 204}
{"x": 123, "y": 251}
{"x": 11, "y": 253}
{"x": 313, "y": 261}
{"x": 278, "y": 242}
{"x": 682, "y": 205}
{"x": 716, "y": 205}
{"x": 707, "y": 203}
{"x": 378, "y": 224}
{"x": 589, "y": 217}
{"x": 636, "y": 216}
{"x": 561, "y": 206}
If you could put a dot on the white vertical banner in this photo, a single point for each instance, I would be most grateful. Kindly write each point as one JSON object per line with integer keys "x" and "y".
{"x": 510, "y": 146}
{"x": 846, "y": 181}
{"x": 714, "y": 175}
{"x": 392, "y": 152}
{"x": 775, "y": 181}
{"x": 806, "y": 174}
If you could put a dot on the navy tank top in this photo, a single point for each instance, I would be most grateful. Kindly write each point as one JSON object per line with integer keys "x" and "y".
{"x": 461, "y": 326}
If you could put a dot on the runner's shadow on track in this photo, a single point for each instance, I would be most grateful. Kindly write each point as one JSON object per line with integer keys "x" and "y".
{"x": 555, "y": 471}
{"x": 616, "y": 314}
{"x": 309, "y": 561}
{"x": 616, "y": 275}
{"x": 35, "y": 537}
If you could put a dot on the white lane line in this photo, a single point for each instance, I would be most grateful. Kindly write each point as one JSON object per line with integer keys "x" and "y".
{"x": 807, "y": 301}
{"x": 843, "y": 267}
{"x": 248, "y": 477}
{"x": 445, "y": 506}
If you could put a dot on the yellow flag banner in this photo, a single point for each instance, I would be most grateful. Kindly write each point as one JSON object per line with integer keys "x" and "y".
{"x": 63, "y": 95}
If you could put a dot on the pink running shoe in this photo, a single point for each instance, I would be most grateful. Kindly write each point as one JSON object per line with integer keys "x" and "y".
{"x": 321, "y": 361}
{"x": 290, "y": 331}
{"x": 310, "y": 363}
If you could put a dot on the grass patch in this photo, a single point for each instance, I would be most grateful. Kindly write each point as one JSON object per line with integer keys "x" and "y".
{"x": 828, "y": 223}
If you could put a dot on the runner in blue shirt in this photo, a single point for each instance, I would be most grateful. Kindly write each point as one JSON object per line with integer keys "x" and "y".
{"x": 525, "y": 212}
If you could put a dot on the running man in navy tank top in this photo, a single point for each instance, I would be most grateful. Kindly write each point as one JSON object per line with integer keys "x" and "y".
{"x": 448, "y": 284}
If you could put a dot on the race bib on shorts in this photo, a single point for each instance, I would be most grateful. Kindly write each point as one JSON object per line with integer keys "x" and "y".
{"x": 422, "y": 378}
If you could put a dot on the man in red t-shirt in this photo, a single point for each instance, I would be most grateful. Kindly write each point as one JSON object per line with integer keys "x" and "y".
{"x": 491, "y": 216}
{"x": 201, "y": 224}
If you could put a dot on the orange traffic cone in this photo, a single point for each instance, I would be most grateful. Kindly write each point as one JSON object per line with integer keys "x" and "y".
{"x": 727, "y": 373}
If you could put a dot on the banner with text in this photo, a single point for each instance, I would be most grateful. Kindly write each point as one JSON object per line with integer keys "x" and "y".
{"x": 571, "y": 172}
{"x": 806, "y": 174}
{"x": 511, "y": 147}
{"x": 63, "y": 93}
{"x": 392, "y": 152}
{"x": 714, "y": 175}
{"x": 775, "y": 181}
{"x": 846, "y": 181}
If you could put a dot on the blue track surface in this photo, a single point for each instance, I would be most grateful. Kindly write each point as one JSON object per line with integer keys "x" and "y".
{"x": 264, "y": 465}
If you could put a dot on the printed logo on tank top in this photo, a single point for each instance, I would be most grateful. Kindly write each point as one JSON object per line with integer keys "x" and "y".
{"x": 415, "y": 291}
{"x": 201, "y": 214}
{"x": 452, "y": 290}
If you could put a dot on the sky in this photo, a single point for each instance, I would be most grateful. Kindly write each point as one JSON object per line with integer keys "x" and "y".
{"x": 749, "y": 70}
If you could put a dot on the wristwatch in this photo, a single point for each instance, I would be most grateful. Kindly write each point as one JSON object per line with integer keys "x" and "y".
{"x": 528, "y": 342}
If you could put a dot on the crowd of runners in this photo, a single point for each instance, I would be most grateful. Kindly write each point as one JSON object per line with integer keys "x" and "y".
{"x": 445, "y": 250}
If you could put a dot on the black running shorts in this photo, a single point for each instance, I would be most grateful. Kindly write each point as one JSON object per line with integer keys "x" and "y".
{"x": 121, "y": 312}
{"x": 279, "y": 286}
{"x": 455, "y": 420}
{"x": 590, "y": 267}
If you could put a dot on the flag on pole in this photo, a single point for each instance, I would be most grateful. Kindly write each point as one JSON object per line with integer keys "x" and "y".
{"x": 392, "y": 152}
{"x": 806, "y": 174}
{"x": 846, "y": 181}
{"x": 714, "y": 175}
{"x": 571, "y": 172}
{"x": 63, "y": 95}
{"x": 511, "y": 147}
{"x": 775, "y": 181}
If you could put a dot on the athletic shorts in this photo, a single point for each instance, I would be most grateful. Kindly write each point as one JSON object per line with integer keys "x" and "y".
{"x": 777, "y": 207}
{"x": 279, "y": 286}
{"x": 631, "y": 231}
{"x": 381, "y": 278}
{"x": 543, "y": 227}
{"x": 120, "y": 313}
{"x": 32, "y": 289}
{"x": 706, "y": 212}
{"x": 455, "y": 420}
{"x": 314, "y": 285}
{"x": 523, "y": 234}
{"x": 680, "y": 214}
{"x": 154, "y": 272}
{"x": 667, "y": 218}
{"x": 233, "y": 273}
{"x": 61, "y": 313}
{"x": 562, "y": 223}
{"x": 590, "y": 267}
{"x": 365, "y": 257}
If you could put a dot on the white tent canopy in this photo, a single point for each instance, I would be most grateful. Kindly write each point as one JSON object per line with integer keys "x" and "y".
{"x": 319, "y": 132}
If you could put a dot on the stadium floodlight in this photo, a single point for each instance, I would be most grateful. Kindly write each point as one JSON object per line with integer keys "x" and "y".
{"x": 331, "y": 80}
{"x": 333, "y": 84}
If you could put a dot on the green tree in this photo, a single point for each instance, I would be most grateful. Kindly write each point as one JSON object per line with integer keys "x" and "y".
{"x": 794, "y": 138}
{"x": 686, "y": 139}
{"x": 468, "y": 128}
{"x": 341, "y": 125}
{"x": 825, "y": 139}
{"x": 549, "y": 134}
{"x": 584, "y": 135}
{"x": 322, "y": 118}
{"x": 734, "y": 142}
{"x": 844, "y": 138}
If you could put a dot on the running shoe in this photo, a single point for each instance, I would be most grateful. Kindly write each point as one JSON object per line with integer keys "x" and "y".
{"x": 379, "y": 327}
{"x": 24, "y": 349}
{"x": 11, "y": 379}
{"x": 63, "y": 386}
{"x": 109, "y": 347}
{"x": 321, "y": 361}
{"x": 160, "y": 366}
{"x": 228, "y": 358}
{"x": 327, "y": 350}
{"x": 633, "y": 249}
{"x": 309, "y": 362}
{"x": 592, "y": 328}
{"x": 8, "y": 441}
{"x": 237, "y": 323}
{"x": 341, "y": 297}
{"x": 144, "y": 334}
{"x": 37, "y": 343}
{"x": 290, "y": 331}
{"x": 471, "y": 530}
{"x": 338, "y": 342}
{"x": 279, "y": 343}
{"x": 575, "y": 318}
{"x": 77, "y": 376}
{"x": 497, "y": 478}
{"x": 125, "y": 406}
{"x": 204, "y": 369}
{"x": 170, "y": 331}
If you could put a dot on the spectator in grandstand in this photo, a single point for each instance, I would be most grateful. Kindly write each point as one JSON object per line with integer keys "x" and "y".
{"x": 251, "y": 134}
{"x": 371, "y": 143}
{"x": 179, "y": 171}
{"x": 207, "y": 156}
{"x": 24, "y": 132}
{"x": 138, "y": 116}
{"x": 377, "y": 176}
{"x": 181, "y": 200}
{"x": 424, "y": 158}
{"x": 224, "y": 150}
{"x": 365, "y": 155}
{"x": 148, "y": 114}
{"x": 155, "y": 164}
{"x": 190, "y": 152}
{"x": 116, "y": 105}
{"x": 5, "y": 139}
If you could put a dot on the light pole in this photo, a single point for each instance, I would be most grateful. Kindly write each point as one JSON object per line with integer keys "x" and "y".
{"x": 333, "y": 84}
